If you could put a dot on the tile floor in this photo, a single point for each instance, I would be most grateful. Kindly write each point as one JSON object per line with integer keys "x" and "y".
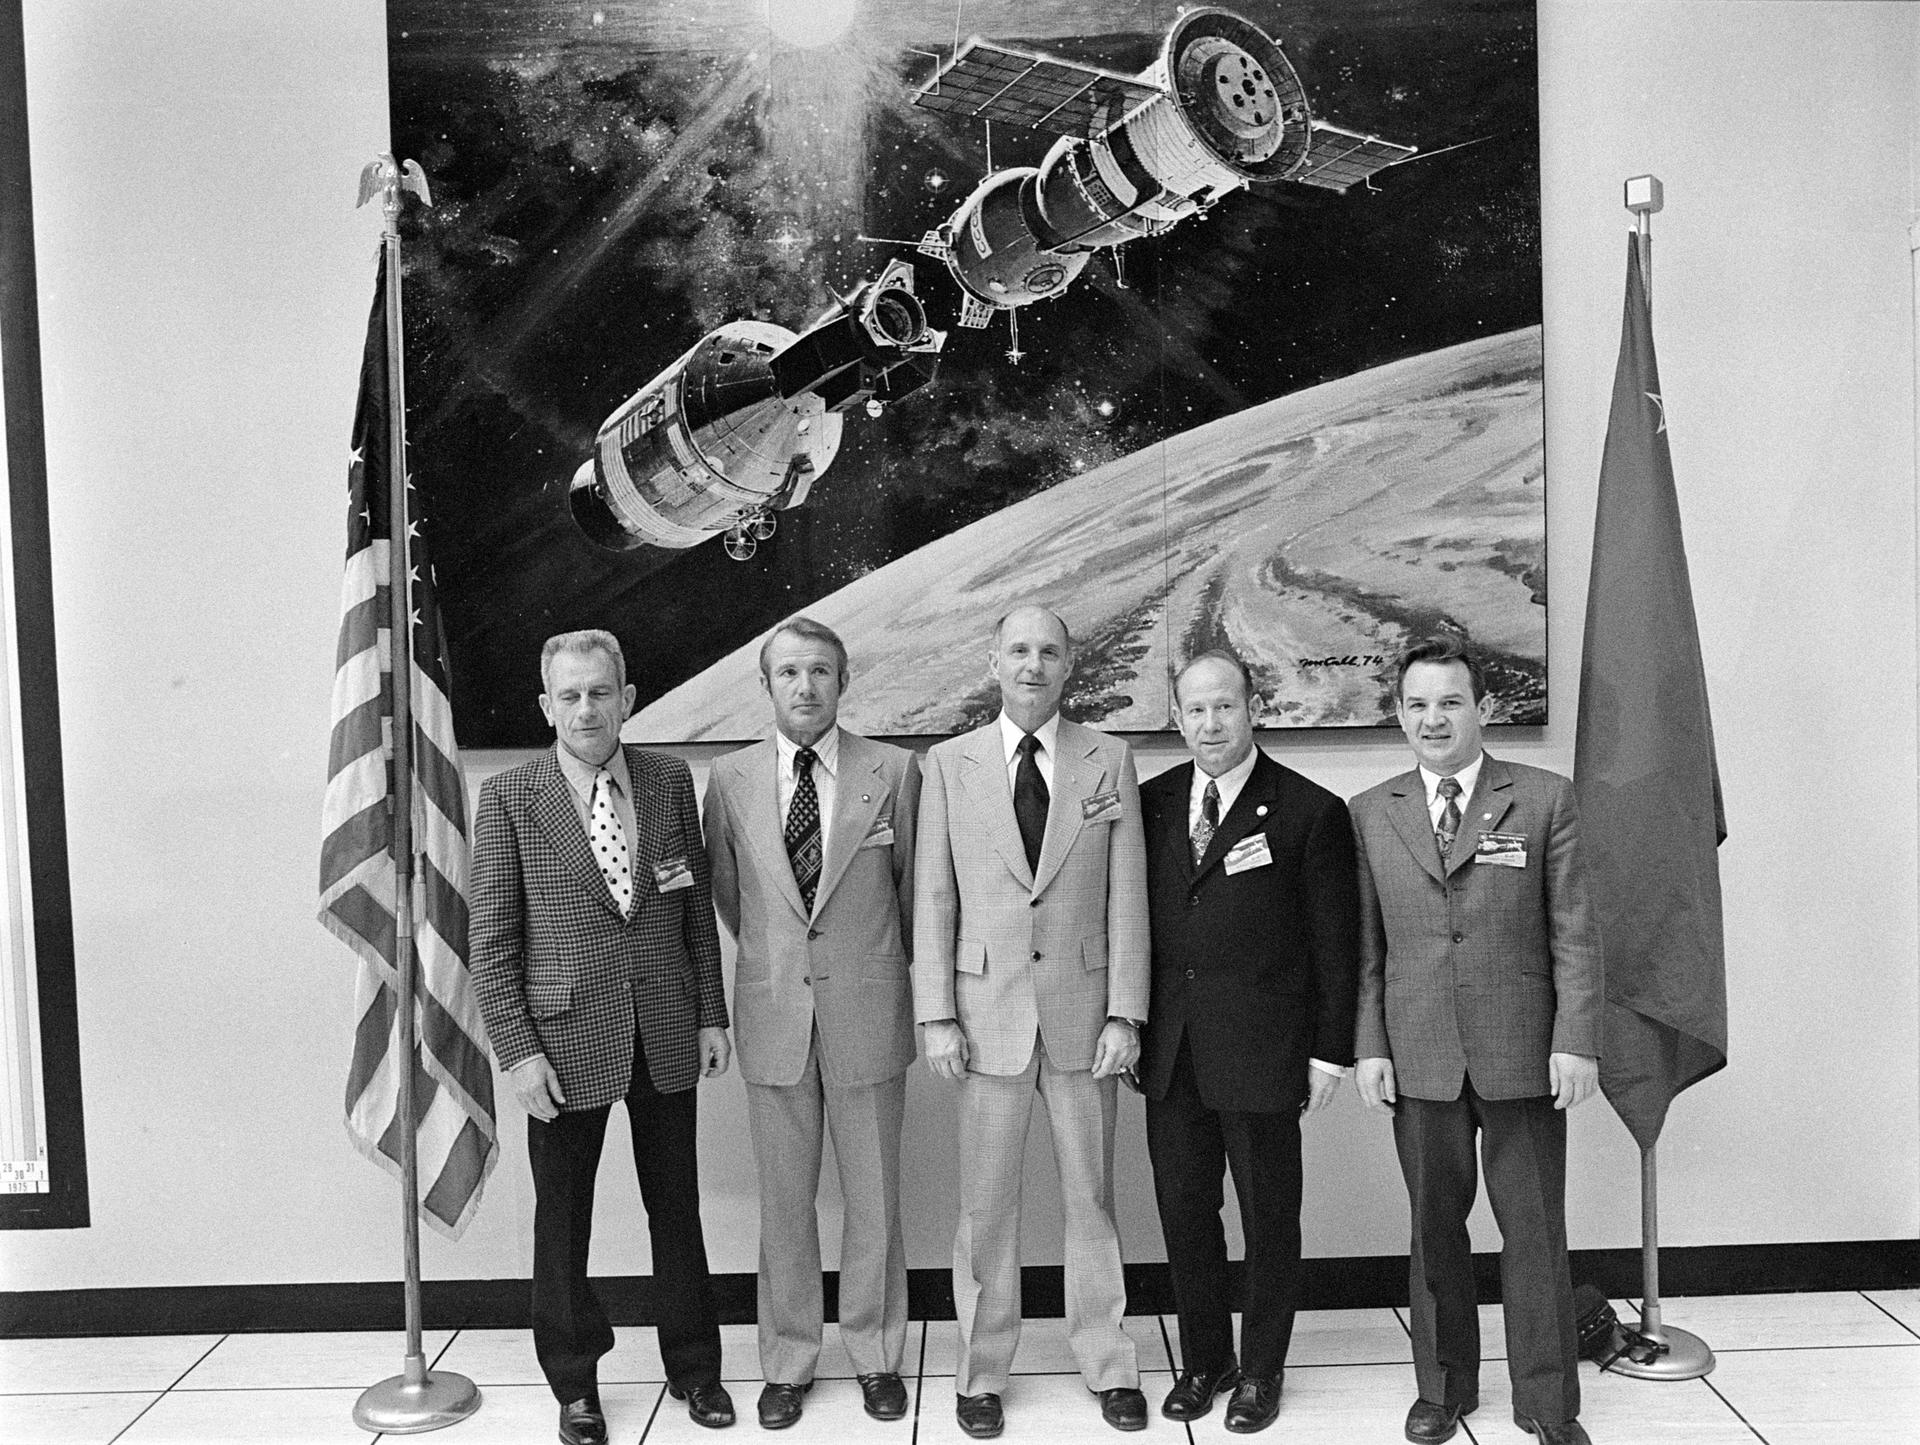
{"x": 1802, "y": 1369}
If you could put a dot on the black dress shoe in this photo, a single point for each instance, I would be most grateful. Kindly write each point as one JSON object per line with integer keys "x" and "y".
{"x": 1569, "y": 1433}
{"x": 1123, "y": 1407}
{"x": 707, "y": 1404}
{"x": 780, "y": 1404}
{"x": 1429, "y": 1424}
{"x": 581, "y": 1423}
{"x": 979, "y": 1415}
{"x": 884, "y": 1395}
{"x": 1192, "y": 1394}
{"x": 1256, "y": 1400}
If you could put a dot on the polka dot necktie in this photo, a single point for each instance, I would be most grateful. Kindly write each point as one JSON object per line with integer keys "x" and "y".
{"x": 803, "y": 828}
{"x": 1449, "y": 828}
{"x": 609, "y": 841}
{"x": 1209, "y": 823}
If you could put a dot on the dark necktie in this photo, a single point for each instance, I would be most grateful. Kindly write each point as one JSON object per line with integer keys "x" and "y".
{"x": 803, "y": 828}
{"x": 1030, "y": 798}
{"x": 1209, "y": 823}
{"x": 1449, "y": 828}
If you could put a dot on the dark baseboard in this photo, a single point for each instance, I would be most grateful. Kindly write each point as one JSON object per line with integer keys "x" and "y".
{"x": 1351, "y": 1283}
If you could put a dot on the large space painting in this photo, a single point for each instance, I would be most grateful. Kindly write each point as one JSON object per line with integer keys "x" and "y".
{"x": 1204, "y": 325}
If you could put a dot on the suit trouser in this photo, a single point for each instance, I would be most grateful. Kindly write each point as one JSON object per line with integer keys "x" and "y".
{"x": 994, "y": 1113}
{"x": 1523, "y": 1146}
{"x": 570, "y": 1328}
{"x": 1191, "y": 1147}
{"x": 786, "y": 1121}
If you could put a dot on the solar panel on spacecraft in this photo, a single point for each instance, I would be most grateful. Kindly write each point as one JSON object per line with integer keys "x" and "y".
{"x": 1341, "y": 158}
{"x": 1040, "y": 92}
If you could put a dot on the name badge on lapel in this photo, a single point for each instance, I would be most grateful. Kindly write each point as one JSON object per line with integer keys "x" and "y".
{"x": 671, "y": 874}
{"x": 1100, "y": 808}
{"x": 880, "y": 835}
{"x": 1249, "y": 853}
{"x": 1502, "y": 850}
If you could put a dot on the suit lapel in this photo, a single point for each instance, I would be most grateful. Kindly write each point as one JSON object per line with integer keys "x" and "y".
{"x": 1410, "y": 819}
{"x": 1247, "y": 815}
{"x": 985, "y": 778}
{"x": 758, "y": 769}
{"x": 1492, "y": 796}
{"x": 649, "y": 821}
{"x": 1076, "y": 776}
{"x": 859, "y": 792}
{"x": 1173, "y": 839}
{"x": 554, "y": 810}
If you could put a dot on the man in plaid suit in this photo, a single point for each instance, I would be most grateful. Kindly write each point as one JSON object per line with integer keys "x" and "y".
{"x": 1030, "y": 973}
{"x": 597, "y": 965}
{"x": 1480, "y": 1001}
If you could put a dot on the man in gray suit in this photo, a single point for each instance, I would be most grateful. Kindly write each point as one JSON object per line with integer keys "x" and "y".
{"x": 810, "y": 834}
{"x": 1030, "y": 973}
{"x": 1480, "y": 1001}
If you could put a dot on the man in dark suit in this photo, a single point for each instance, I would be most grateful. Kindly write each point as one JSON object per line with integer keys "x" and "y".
{"x": 1250, "y": 889}
{"x": 597, "y": 966}
{"x": 1480, "y": 1000}
{"x": 811, "y": 838}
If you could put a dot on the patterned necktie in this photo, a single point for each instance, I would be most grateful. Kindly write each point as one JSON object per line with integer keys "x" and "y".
{"x": 1209, "y": 823}
{"x": 1449, "y": 828}
{"x": 1030, "y": 799}
{"x": 609, "y": 841}
{"x": 803, "y": 828}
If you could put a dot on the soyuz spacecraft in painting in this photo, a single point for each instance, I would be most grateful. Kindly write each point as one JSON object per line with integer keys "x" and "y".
{"x": 744, "y": 424}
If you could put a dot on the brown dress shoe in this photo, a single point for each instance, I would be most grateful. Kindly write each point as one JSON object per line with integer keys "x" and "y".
{"x": 1569, "y": 1432}
{"x": 1123, "y": 1407}
{"x": 1255, "y": 1402}
{"x": 1429, "y": 1424}
{"x": 884, "y": 1395}
{"x": 581, "y": 1423}
{"x": 979, "y": 1415}
{"x": 780, "y": 1404}
{"x": 707, "y": 1404}
{"x": 1191, "y": 1397}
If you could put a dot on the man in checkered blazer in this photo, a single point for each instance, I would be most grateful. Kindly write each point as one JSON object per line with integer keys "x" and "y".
{"x": 1481, "y": 988}
{"x": 597, "y": 965}
{"x": 1030, "y": 975}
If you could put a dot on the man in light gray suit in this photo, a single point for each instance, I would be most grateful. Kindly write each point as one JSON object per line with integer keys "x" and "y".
{"x": 811, "y": 834}
{"x": 1479, "y": 1012}
{"x": 1030, "y": 973}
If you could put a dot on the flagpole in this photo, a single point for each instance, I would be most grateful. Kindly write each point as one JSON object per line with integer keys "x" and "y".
{"x": 1680, "y": 1355}
{"x": 417, "y": 1400}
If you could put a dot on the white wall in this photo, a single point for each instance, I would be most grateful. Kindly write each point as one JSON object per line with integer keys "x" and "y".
{"x": 204, "y": 287}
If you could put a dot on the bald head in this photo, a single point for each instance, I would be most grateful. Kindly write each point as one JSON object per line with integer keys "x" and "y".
{"x": 1031, "y": 615}
{"x": 1031, "y": 658}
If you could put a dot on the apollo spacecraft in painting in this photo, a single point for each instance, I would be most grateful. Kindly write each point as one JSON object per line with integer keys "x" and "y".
{"x": 742, "y": 426}
{"x": 1220, "y": 109}
{"x": 745, "y": 423}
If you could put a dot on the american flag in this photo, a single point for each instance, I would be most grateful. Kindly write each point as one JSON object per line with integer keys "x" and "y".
{"x": 453, "y": 1080}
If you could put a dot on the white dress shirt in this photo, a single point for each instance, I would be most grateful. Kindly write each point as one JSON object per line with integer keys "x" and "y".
{"x": 1229, "y": 784}
{"x": 1468, "y": 778}
{"x": 580, "y": 776}
{"x": 1048, "y": 732}
{"x": 826, "y": 768}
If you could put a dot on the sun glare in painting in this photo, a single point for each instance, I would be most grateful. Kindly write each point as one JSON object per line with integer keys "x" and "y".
{"x": 811, "y": 23}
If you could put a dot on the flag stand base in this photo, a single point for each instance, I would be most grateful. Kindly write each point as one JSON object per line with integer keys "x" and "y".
{"x": 404, "y": 1405}
{"x": 1686, "y": 1357}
